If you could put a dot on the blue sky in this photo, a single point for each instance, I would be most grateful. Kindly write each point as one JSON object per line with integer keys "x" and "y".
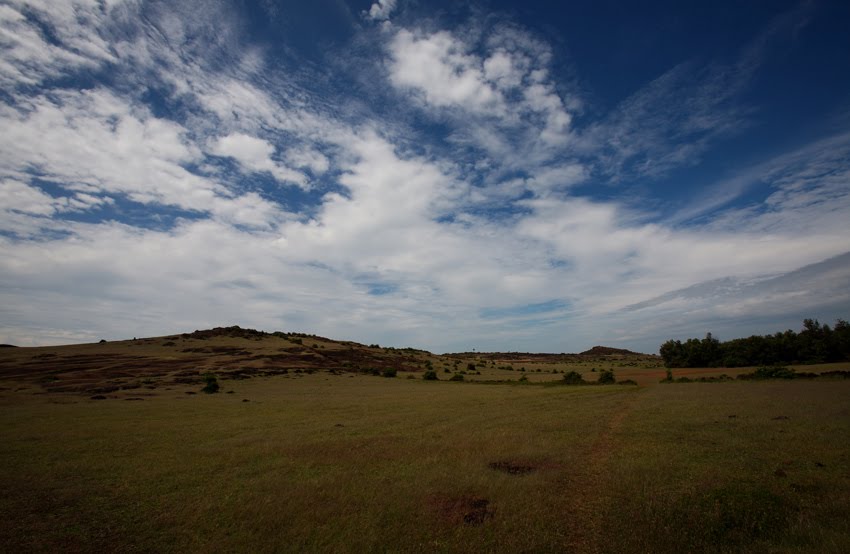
{"x": 542, "y": 176}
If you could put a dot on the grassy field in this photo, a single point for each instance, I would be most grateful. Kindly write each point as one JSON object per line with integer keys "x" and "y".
{"x": 357, "y": 463}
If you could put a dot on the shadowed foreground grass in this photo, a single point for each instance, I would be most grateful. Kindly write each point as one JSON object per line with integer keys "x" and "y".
{"x": 340, "y": 463}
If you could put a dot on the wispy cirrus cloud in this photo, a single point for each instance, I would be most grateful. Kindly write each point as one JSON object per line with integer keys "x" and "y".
{"x": 674, "y": 119}
{"x": 43, "y": 40}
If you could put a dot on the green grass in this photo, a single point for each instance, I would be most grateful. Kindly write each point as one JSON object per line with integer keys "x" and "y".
{"x": 360, "y": 463}
{"x": 733, "y": 467}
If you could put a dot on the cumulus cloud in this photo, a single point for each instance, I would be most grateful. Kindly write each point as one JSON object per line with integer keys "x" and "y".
{"x": 438, "y": 66}
{"x": 494, "y": 86}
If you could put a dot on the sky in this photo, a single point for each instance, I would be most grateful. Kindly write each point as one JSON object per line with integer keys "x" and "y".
{"x": 448, "y": 175}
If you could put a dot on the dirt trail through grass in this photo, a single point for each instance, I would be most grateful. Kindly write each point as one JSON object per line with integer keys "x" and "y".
{"x": 589, "y": 483}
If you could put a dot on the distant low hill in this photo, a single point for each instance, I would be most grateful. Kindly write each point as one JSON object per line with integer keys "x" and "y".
{"x": 594, "y": 352}
{"x": 608, "y": 351}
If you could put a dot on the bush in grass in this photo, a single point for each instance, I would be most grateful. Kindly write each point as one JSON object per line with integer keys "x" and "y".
{"x": 606, "y": 377}
{"x": 211, "y": 385}
{"x": 573, "y": 378}
{"x": 523, "y": 379}
{"x": 773, "y": 372}
{"x": 447, "y": 370}
{"x": 390, "y": 372}
{"x": 470, "y": 366}
{"x": 430, "y": 375}
{"x": 627, "y": 382}
{"x": 456, "y": 377}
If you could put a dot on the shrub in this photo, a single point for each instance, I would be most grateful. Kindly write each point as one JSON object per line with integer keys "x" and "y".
{"x": 523, "y": 379}
{"x": 606, "y": 377}
{"x": 573, "y": 378}
{"x": 456, "y": 377}
{"x": 773, "y": 372}
{"x": 627, "y": 382}
{"x": 470, "y": 366}
{"x": 447, "y": 370}
{"x": 211, "y": 385}
{"x": 390, "y": 372}
{"x": 430, "y": 375}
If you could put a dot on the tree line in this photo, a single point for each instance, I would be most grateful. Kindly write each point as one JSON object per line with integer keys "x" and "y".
{"x": 815, "y": 344}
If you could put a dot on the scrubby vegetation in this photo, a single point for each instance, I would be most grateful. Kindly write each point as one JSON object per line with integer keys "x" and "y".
{"x": 573, "y": 378}
{"x": 761, "y": 374}
{"x": 606, "y": 377}
{"x": 211, "y": 384}
{"x": 815, "y": 344}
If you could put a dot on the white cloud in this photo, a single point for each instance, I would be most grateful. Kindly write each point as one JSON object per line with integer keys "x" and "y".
{"x": 29, "y": 57}
{"x": 438, "y": 66}
{"x": 19, "y": 197}
{"x": 502, "y": 68}
{"x": 501, "y": 101}
{"x": 382, "y": 9}
{"x": 308, "y": 158}
{"x": 93, "y": 142}
{"x": 255, "y": 155}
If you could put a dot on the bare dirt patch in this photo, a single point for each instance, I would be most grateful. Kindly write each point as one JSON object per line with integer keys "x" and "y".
{"x": 512, "y": 468}
{"x": 461, "y": 510}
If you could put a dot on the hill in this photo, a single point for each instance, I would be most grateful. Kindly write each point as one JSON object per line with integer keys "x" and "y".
{"x": 230, "y": 352}
{"x": 608, "y": 351}
{"x": 235, "y": 353}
